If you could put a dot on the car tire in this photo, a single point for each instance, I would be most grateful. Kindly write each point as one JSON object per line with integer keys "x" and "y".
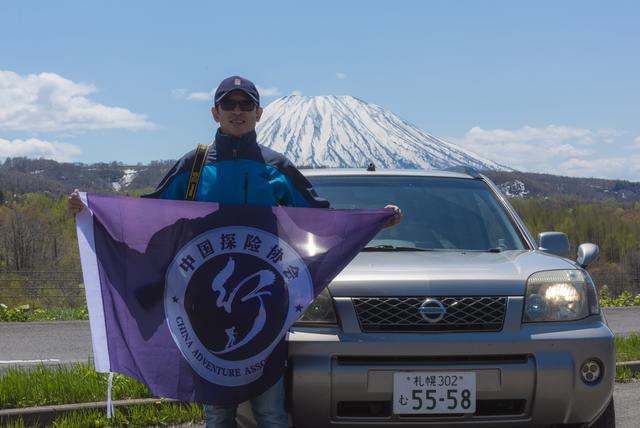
{"x": 606, "y": 419}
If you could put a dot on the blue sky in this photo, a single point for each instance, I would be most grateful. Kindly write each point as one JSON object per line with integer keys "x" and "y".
{"x": 545, "y": 86}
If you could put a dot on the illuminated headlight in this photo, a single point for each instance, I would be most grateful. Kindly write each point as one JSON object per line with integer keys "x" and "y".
{"x": 559, "y": 295}
{"x": 320, "y": 311}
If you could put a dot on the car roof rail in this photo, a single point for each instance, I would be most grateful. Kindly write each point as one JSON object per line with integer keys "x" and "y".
{"x": 465, "y": 169}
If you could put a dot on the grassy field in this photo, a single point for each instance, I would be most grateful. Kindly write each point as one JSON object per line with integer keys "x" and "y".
{"x": 23, "y": 313}
{"x": 79, "y": 383}
{"x": 160, "y": 415}
{"x": 628, "y": 348}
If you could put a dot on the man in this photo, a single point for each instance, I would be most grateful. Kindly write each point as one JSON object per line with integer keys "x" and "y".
{"x": 237, "y": 170}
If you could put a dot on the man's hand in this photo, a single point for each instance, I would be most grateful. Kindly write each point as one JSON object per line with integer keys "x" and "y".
{"x": 74, "y": 205}
{"x": 397, "y": 216}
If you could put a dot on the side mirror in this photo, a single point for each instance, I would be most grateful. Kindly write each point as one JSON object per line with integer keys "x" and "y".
{"x": 554, "y": 242}
{"x": 586, "y": 254}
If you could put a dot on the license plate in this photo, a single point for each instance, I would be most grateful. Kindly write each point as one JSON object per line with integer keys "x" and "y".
{"x": 434, "y": 392}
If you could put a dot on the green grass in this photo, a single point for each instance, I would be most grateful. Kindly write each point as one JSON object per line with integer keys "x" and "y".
{"x": 624, "y": 374}
{"x": 626, "y": 298}
{"x": 24, "y": 313}
{"x": 157, "y": 415}
{"x": 628, "y": 348}
{"x": 160, "y": 415}
{"x": 59, "y": 314}
{"x": 77, "y": 383}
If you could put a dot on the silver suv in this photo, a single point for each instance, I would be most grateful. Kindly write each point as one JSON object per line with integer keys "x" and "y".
{"x": 454, "y": 317}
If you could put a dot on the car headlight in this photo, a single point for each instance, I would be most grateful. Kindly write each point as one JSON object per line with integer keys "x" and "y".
{"x": 320, "y": 311}
{"x": 559, "y": 295}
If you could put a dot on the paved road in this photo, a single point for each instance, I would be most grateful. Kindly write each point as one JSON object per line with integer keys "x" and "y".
{"x": 66, "y": 341}
{"x": 627, "y": 397}
{"x": 48, "y": 342}
{"x": 623, "y": 320}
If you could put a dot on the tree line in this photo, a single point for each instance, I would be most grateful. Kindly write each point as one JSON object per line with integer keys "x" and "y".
{"x": 39, "y": 251}
{"x": 19, "y": 176}
{"x": 39, "y": 261}
{"x": 613, "y": 226}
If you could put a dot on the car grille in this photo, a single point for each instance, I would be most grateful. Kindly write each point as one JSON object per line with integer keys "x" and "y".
{"x": 402, "y": 314}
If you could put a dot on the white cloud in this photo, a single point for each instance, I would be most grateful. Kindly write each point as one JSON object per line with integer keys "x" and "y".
{"x": 560, "y": 150}
{"x": 179, "y": 93}
{"x": 550, "y": 134}
{"x": 49, "y": 102}
{"x": 268, "y": 92}
{"x": 296, "y": 92}
{"x": 627, "y": 168}
{"x": 609, "y": 136}
{"x": 529, "y": 149}
{"x": 34, "y": 148}
{"x": 341, "y": 76}
{"x": 636, "y": 143}
{"x": 200, "y": 96}
{"x": 183, "y": 94}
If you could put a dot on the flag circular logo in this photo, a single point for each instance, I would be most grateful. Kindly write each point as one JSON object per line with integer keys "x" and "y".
{"x": 230, "y": 295}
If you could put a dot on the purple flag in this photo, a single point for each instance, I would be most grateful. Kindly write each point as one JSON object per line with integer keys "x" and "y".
{"x": 194, "y": 298}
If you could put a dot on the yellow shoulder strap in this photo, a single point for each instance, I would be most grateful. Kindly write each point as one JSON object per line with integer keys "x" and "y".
{"x": 196, "y": 170}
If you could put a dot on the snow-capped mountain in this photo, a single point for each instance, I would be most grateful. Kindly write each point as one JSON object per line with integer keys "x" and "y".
{"x": 343, "y": 131}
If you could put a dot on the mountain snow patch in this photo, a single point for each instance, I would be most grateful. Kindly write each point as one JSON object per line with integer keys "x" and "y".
{"x": 514, "y": 189}
{"x": 127, "y": 178}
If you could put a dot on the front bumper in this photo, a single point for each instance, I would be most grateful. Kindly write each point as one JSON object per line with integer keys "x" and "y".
{"x": 527, "y": 374}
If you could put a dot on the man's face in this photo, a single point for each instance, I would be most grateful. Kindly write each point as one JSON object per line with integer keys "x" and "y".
{"x": 236, "y": 122}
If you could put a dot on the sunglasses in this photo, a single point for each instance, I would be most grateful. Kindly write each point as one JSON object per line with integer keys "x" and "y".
{"x": 230, "y": 105}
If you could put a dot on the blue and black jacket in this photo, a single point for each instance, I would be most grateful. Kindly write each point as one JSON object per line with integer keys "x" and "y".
{"x": 240, "y": 171}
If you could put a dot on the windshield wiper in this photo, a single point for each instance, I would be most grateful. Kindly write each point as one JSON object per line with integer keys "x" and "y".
{"x": 393, "y": 248}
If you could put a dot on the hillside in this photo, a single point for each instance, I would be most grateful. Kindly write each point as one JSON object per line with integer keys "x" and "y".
{"x": 21, "y": 175}
{"x": 528, "y": 185}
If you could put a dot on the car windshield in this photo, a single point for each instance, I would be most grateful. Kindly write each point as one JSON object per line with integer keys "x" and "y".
{"x": 438, "y": 213}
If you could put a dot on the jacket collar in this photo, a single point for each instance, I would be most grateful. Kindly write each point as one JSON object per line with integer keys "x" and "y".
{"x": 227, "y": 142}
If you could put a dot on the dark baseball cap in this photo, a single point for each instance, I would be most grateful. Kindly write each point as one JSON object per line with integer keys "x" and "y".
{"x": 236, "y": 83}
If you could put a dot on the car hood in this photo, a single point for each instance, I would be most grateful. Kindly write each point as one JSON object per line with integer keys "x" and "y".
{"x": 401, "y": 273}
